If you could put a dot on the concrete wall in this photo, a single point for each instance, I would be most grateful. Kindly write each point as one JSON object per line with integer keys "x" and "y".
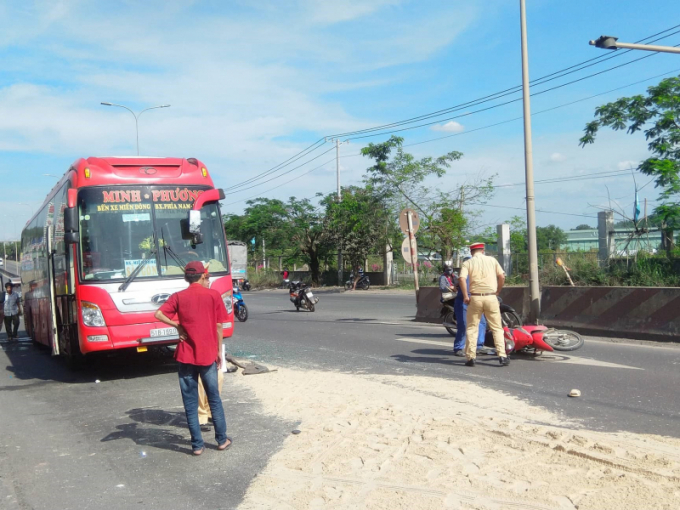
{"x": 646, "y": 313}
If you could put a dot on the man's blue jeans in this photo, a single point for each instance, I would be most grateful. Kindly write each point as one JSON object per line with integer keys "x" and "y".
{"x": 460, "y": 308}
{"x": 188, "y": 384}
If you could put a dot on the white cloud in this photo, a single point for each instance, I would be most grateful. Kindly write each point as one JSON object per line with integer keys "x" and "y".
{"x": 627, "y": 165}
{"x": 557, "y": 157}
{"x": 450, "y": 127}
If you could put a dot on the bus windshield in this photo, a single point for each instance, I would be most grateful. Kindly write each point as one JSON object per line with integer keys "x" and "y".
{"x": 122, "y": 226}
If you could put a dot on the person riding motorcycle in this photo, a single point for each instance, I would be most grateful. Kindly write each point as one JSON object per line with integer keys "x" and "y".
{"x": 447, "y": 285}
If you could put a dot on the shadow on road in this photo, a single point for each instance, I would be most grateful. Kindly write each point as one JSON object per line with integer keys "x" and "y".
{"x": 163, "y": 439}
{"x": 30, "y": 362}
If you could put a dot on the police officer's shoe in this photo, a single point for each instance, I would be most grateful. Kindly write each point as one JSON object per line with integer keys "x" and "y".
{"x": 460, "y": 353}
{"x": 504, "y": 361}
{"x": 470, "y": 363}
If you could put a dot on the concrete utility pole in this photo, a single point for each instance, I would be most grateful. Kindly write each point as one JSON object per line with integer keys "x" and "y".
{"x": 339, "y": 198}
{"x": 264, "y": 256}
{"x": 609, "y": 42}
{"x": 535, "y": 297}
{"x": 337, "y": 177}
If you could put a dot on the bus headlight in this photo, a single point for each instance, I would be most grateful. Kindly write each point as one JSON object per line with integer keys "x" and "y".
{"x": 226, "y": 297}
{"x": 92, "y": 315}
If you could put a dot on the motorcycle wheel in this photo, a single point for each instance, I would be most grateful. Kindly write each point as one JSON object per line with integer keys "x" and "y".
{"x": 242, "y": 314}
{"x": 451, "y": 317}
{"x": 310, "y": 305}
{"x": 563, "y": 340}
{"x": 348, "y": 285}
{"x": 511, "y": 320}
{"x": 365, "y": 285}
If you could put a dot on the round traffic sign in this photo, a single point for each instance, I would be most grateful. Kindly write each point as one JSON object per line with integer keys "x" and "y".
{"x": 406, "y": 250}
{"x": 403, "y": 220}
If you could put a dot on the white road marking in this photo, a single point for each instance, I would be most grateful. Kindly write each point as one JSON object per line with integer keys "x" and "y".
{"x": 545, "y": 357}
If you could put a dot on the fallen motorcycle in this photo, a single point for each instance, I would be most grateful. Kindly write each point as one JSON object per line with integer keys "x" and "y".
{"x": 529, "y": 338}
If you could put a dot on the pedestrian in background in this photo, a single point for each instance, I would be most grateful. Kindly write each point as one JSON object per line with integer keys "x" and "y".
{"x": 12, "y": 309}
{"x": 200, "y": 313}
{"x": 460, "y": 308}
{"x": 481, "y": 281}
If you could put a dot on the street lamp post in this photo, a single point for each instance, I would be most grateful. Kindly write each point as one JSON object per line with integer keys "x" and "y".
{"x": 136, "y": 116}
{"x": 609, "y": 42}
{"x": 534, "y": 292}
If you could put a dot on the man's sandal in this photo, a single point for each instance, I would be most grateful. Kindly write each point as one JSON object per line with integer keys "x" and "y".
{"x": 226, "y": 445}
{"x": 198, "y": 452}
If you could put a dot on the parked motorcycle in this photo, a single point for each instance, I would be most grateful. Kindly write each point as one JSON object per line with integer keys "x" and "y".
{"x": 363, "y": 283}
{"x": 246, "y": 285}
{"x": 240, "y": 308}
{"x": 301, "y": 296}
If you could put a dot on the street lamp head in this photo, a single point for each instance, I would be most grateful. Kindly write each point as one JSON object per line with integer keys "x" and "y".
{"x": 165, "y": 106}
{"x": 107, "y": 104}
{"x": 606, "y": 42}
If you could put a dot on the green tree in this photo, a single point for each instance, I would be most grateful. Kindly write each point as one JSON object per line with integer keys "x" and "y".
{"x": 264, "y": 220}
{"x": 400, "y": 178}
{"x": 550, "y": 238}
{"x": 583, "y": 226}
{"x": 307, "y": 232}
{"x": 658, "y": 115}
{"x": 357, "y": 223}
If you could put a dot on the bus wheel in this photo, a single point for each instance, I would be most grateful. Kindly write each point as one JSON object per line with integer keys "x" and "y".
{"x": 70, "y": 350}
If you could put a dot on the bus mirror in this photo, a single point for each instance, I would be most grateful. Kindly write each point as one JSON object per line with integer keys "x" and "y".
{"x": 195, "y": 222}
{"x": 71, "y": 237}
{"x": 194, "y": 237}
{"x": 71, "y": 219}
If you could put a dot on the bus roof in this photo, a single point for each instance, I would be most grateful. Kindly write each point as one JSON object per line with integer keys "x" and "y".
{"x": 132, "y": 170}
{"x": 98, "y": 171}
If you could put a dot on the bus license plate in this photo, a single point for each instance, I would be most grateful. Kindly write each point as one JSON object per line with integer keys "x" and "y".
{"x": 163, "y": 332}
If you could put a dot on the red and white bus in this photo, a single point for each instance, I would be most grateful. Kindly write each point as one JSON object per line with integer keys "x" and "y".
{"x": 108, "y": 247}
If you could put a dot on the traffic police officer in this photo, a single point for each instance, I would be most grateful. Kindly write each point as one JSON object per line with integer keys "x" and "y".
{"x": 481, "y": 280}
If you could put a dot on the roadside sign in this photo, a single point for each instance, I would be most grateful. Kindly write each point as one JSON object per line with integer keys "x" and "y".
{"x": 406, "y": 249}
{"x": 403, "y": 220}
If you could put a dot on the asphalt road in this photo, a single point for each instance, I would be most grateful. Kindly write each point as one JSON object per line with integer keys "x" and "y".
{"x": 11, "y": 267}
{"x": 68, "y": 441}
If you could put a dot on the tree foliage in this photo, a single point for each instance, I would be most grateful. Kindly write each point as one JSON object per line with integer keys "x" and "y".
{"x": 583, "y": 226}
{"x": 550, "y": 238}
{"x": 657, "y": 115}
{"x": 358, "y": 223}
{"x": 293, "y": 229}
{"x": 402, "y": 179}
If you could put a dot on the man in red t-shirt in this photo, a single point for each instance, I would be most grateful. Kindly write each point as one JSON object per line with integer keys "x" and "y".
{"x": 200, "y": 313}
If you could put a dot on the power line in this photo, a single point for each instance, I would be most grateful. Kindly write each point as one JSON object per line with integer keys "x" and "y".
{"x": 537, "y": 81}
{"x": 281, "y": 175}
{"x": 582, "y": 177}
{"x": 276, "y": 187}
{"x": 537, "y": 210}
{"x": 292, "y": 159}
{"x": 505, "y": 103}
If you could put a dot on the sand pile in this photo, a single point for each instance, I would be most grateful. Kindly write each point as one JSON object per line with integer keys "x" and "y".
{"x": 390, "y": 442}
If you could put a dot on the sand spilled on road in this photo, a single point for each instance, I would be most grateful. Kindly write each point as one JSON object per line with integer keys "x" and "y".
{"x": 391, "y": 442}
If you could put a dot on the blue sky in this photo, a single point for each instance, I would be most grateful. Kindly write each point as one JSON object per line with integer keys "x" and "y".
{"x": 252, "y": 83}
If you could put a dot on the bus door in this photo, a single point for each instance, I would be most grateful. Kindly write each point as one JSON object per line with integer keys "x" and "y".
{"x": 62, "y": 301}
{"x": 54, "y": 331}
